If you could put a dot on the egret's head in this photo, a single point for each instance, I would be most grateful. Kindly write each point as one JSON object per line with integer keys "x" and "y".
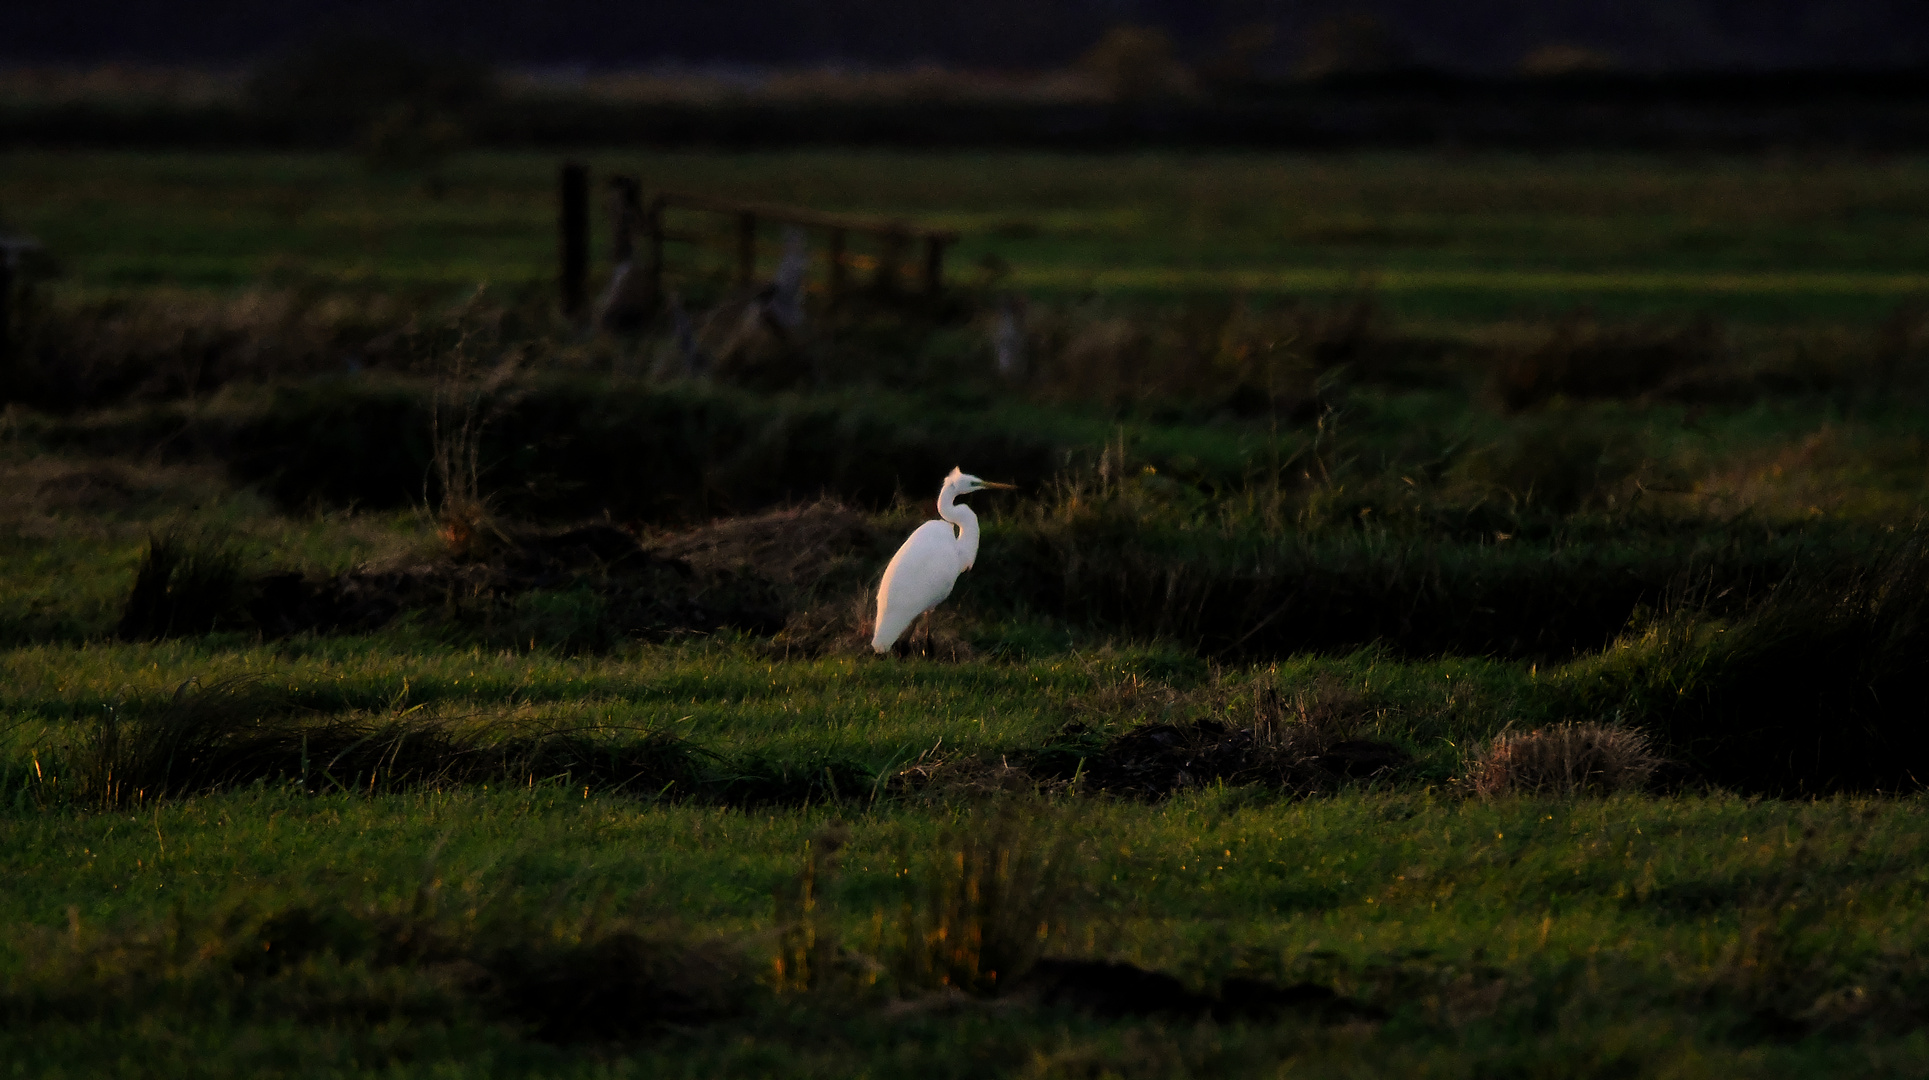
{"x": 963, "y": 483}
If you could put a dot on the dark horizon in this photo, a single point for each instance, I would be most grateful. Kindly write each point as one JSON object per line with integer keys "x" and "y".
{"x": 1479, "y": 37}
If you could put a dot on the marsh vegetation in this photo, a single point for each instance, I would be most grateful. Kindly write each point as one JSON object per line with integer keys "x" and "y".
{"x": 1429, "y": 638}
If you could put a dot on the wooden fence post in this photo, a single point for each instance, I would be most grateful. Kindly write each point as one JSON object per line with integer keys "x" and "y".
{"x": 574, "y": 223}
{"x": 746, "y": 248}
{"x": 653, "y": 260}
{"x": 837, "y": 264}
{"x": 626, "y": 206}
{"x": 888, "y": 261}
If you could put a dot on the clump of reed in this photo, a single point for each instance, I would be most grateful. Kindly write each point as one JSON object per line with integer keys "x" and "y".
{"x": 466, "y": 399}
{"x": 983, "y": 902}
{"x": 1564, "y": 760}
{"x": 989, "y": 896}
{"x": 807, "y": 951}
{"x": 184, "y": 585}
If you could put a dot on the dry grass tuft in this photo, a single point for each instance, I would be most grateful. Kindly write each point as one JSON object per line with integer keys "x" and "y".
{"x": 992, "y": 893}
{"x": 943, "y": 779}
{"x": 1564, "y": 759}
{"x": 1312, "y": 718}
{"x": 825, "y": 556}
{"x": 794, "y": 547}
{"x": 837, "y": 628}
{"x": 464, "y": 404}
{"x": 807, "y": 949}
{"x": 816, "y": 554}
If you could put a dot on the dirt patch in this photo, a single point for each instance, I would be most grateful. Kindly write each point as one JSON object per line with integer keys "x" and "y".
{"x": 1304, "y": 741}
{"x": 1112, "y": 991}
{"x": 1157, "y": 760}
{"x": 1308, "y": 741}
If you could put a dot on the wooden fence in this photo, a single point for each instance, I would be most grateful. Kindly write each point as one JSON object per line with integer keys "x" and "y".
{"x": 641, "y": 232}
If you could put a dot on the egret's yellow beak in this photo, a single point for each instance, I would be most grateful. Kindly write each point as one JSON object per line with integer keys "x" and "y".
{"x": 1000, "y": 487}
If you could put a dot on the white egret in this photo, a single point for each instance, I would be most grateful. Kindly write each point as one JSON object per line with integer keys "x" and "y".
{"x": 923, "y": 571}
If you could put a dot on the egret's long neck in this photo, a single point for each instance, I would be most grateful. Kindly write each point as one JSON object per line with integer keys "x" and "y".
{"x": 950, "y": 509}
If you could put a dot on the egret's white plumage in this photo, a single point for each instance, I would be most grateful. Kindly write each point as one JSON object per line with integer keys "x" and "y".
{"x": 923, "y": 571}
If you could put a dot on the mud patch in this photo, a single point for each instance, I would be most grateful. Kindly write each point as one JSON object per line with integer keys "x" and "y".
{"x": 1114, "y": 991}
{"x": 1158, "y": 760}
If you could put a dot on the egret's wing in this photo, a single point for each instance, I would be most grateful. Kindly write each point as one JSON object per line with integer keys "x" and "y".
{"x": 920, "y": 576}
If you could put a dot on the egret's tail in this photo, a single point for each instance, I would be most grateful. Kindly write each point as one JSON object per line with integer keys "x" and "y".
{"x": 885, "y": 637}
{"x": 891, "y": 625}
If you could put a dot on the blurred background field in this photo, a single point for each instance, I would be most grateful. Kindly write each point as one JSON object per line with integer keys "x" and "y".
{"x": 1449, "y": 242}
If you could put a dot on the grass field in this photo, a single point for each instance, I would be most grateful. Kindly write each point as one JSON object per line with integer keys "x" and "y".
{"x": 1465, "y": 616}
{"x": 1475, "y": 237}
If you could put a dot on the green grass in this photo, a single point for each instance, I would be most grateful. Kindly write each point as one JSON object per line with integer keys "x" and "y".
{"x": 1682, "y": 932}
{"x": 1471, "y": 238}
{"x": 1599, "y": 938}
{"x": 1684, "y": 935}
{"x": 731, "y": 699}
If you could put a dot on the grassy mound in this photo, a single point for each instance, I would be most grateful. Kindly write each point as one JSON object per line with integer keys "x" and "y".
{"x": 1823, "y": 687}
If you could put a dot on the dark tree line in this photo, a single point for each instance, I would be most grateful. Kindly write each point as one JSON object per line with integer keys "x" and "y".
{"x": 1473, "y": 35}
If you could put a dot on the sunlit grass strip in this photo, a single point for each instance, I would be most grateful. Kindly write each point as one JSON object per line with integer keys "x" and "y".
{"x": 1323, "y": 279}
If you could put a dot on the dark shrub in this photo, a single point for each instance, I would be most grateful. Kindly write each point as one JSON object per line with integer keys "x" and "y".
{"x": 184, "y": 586}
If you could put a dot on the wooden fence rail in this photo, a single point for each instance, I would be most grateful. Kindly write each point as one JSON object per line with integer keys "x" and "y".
{"x": 893, "y": 237}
